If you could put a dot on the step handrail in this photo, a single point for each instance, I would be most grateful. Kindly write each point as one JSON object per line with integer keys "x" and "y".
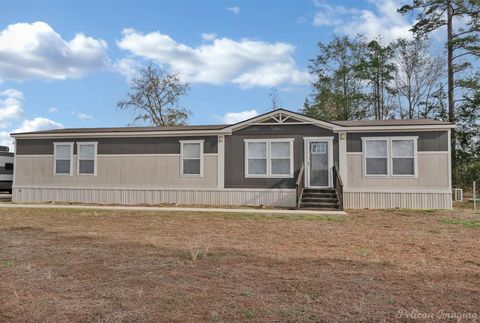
{"x": 299, "y": 184}
{"x": 338, "y": 185}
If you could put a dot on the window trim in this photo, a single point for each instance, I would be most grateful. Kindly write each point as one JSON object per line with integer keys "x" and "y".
{"x": 268, "y": 157}
{"x": 55, "y": 144}
{"x": 85, "y": 143}
{"x": 201, "y": 142}
{"x": 390, "y": 156}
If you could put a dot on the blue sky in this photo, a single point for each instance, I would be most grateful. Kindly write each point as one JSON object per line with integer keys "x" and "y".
{"x": 66, "y": 63}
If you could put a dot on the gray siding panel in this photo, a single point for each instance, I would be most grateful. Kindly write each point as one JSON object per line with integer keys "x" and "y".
{"x": 235, "y": 153}
{"x": 113, "y": 146}
{"x": 427, "y": 141}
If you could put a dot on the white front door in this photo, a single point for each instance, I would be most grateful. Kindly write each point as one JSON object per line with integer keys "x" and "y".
{"x": 318, "y": 162}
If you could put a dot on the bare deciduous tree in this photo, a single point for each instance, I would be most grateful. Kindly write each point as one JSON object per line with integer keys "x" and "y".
{"x": 274, "y": 98}
{"x": 418, "y": 78}
{"x": 154, "y": 97}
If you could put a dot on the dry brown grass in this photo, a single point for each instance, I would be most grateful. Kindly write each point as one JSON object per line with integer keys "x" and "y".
{"x": 74, "y": 265}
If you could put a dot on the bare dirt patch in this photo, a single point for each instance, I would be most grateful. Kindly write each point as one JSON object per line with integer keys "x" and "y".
{"x": 75, "y": 265}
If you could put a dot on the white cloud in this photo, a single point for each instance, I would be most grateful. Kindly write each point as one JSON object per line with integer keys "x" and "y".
{"x": 82, "y": 116}
{"x": 234, "y": 9}
{"x": 52, "y": 110}
{"x": 383, "y": 20}
{"x": 10, "y": 106}
{"x": 234, "y": 117}
{"x": 36, "y": 51}
{"x": 128, "y": 67}
{"x": 208, "y": 36}
{"x": 38, "y": 124}
{"x": 245, "y": 62}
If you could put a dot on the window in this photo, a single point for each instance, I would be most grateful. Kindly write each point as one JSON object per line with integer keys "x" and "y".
{"x": 376, "y": 157}
{"x": 8, "y": 166}
{"x": 269, "y": 158}
{"x": 87, "y": 155}
{"x": 319, "y": 148}
{"x": 63, "y": 155}
{"x": 191, "y": 152}
{"x": 390, "y": 156}
{"x": 403, "y": 157}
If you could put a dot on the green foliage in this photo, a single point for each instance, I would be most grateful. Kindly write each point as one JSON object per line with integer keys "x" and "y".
{"x": 466, "y": 223}
{"x": 337, "y": 91}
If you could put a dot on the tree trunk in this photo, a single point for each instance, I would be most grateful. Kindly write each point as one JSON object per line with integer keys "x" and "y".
{"x": 451, "y": 100}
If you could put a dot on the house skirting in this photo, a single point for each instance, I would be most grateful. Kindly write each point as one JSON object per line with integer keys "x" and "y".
{"x": 389, "y": 200}
{"x": 151, "y": 196}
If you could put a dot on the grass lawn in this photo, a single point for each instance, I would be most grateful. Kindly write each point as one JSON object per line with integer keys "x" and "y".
{"x": 77, "y": 265}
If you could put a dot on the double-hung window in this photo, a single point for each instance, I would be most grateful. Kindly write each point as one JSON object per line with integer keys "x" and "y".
{"x": 87, "y": 158}
{"x": 191, "y": 152}
{"x": 63, "y": 156}
{"x": 403, "y": 157}
{"x": 269, "y": 158}
{"x": 394, "y": 156}
{"x": 376, "y": 156}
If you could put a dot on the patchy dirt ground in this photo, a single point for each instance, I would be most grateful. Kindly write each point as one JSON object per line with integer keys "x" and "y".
{"x": 74, "y": 265}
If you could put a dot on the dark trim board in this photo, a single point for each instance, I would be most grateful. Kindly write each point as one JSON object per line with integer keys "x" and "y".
{"x": 118, "y": 146}
{"x": 427, "y": 140}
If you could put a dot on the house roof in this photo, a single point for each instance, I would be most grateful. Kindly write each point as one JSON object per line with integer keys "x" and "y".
{"x": 224, "y": 128}
{"x": 127, "y": 129}
{"x": 401, "y": 122}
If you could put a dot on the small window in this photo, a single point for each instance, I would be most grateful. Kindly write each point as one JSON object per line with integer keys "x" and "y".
{"x": 63, "y": 153}
{"x": 376, "y": 157}
{"x": 403, "y": 157}
{"x": 8, "y": 166}
{"x": 191, "y": 158}
{"x": 269, "y": 158}
{"x": 319, "y": 148}
{"x": 87, "y": 155}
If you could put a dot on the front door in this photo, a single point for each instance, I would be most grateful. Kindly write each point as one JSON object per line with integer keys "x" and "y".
{"x": 318, "y": 161}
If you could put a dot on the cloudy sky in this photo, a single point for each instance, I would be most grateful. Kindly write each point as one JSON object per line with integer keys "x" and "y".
{"x": 66, "y": 63}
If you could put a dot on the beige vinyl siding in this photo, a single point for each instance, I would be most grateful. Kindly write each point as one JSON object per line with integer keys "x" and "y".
{"x": 186, "y": 196}
{"x": 116, "y": 170}
{"x": 432, "y": 174}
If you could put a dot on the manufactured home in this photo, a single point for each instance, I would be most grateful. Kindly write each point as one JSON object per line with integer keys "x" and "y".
{"x": 279, "y": 159}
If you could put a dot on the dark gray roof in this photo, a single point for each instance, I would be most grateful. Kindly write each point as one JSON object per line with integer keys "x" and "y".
{"x": 401, "y": 122}
{"x": 349, "y": 123}
{"x": 130, "y": 129}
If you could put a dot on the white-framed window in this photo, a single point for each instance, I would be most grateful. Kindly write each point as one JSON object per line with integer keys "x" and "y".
{"x": 191, "y": 158}
{"x": 269, "y": 158}
{"x": 390, "y": 156}
{"x": 318, "y": 148}
{"x": 87, "y": 158}
{"x": 63, "y": 158}
{"x": 403, "y": 157}
{"x": 376, "y": 157}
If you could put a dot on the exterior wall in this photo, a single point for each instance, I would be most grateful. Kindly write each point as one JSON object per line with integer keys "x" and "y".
{"x": 154, "y": 171}
{"x": 407, "y": 200}
{"x": 430, "y": 189}
{"x": 432, "y": 174}
{"x": 123, "y": 196}
{"x": 113, "y": 146}
{"x": 235, "y": 153}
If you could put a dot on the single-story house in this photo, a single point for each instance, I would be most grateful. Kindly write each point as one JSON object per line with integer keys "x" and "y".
{"x": 280, "y": 158}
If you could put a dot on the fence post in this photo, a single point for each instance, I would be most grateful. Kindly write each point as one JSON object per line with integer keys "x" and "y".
{"x": 474, "y": 196}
